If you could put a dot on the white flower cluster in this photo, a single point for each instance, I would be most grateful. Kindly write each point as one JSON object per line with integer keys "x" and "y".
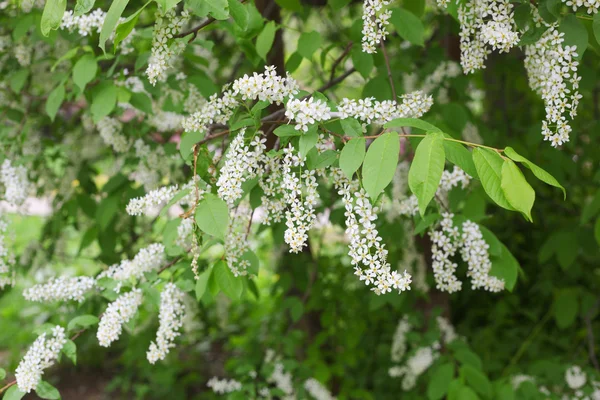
{"x": 369, "y": 110}
{"x": 151, "y": 201}
{"x": 475, "y": 253}
{"x": 575, "y": 377}
{"x": 110, "y": 130}
{"x": 241, "y": 164}
{"x": 444, "y": 71}
{"x": 452, "y": 179}
{"x": 16, "y": 184}
{"x": 7, "y": 259}
{"x": 23, "y": 54}
{"x": 446, "y": 242}
{"x": 375, "y": 20}
{"x": 591, "y": 5}
{"x": 153, "y": 164}
{"x": 117, "y": 313}
{"x": 41, "y": 355}
{"x": 223, "y": 386}
{"x": 301, "y": 214}
{"x": 283, "y": 381}
{"x": 368, "y": 254}
{"x": 61, "y": 289}
{"x": 166, "y": 121}
{"x": 317, "y": 390}
{"x": 485, "y": 23}
{"x": 399, "y": 340}
{"x": 265, "y": 87}
{"x": 447, "y": 330}
{"x": 170, "y": 318}
{"x": 147, "y": 259}
{"x": 91, "y": 23}
{"x": 164, "y": 48}
{"x": 415, "y": 365}
{"x": 185, "y": 231}
{"x": 307, "y": 112}
{"x": 273, "y": 204}
{"x": 236, "y": 243}
{"x": 552, "y": 71}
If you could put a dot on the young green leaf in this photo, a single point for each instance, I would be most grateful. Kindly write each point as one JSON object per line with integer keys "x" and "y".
{"x": 52, "y": 15}
{"x": 218, "y": 9}
{"x": 85, "y": 70}
{"x": 489, "y": 168}
{"x": 70, "y": 351}
{"x": 111, "y": 20}
{"x": 426, "y": 169}
{"x": 54, "y": 101}
{"x": 104, "y": 101}
{"x": 125, "y": 28}
{"x": 575, "y": 33}
{"x": 82, "y": 7}
{"x": 519, "y": 194}
{"x": 440, "y": 381}
{"x": 408, "y": 26}
{"x": 458, "y": 155}
{"x": 13, "y": 393}
{"x": 351, "y": 127}
{"x": 352, "y": 156}
{"x": 212, "y": 216}
{"x": 477, "y": 380}
{"x": 539, "y": 173}
{"x": 47, "y": 391}
{"x": 380, "y": 163}
{"x": 265, "y": 39}
{"x": 363, "y": 62}
{"x": 82, "y": 321}
{"x": 308, "y": 43}
{"x": 308, "y": 141}
{"x": 413, "y": 123}
{"x": 202, "y": 283}
{"x": 228, "y": 283}
{"x": 238, "y": 13}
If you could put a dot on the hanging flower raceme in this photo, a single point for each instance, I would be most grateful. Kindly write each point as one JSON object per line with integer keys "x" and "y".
{"x": 147, "y": 259}
{"x": 369, "y": 110}
{"x": 117, "y": 313}
{"x": 110, "y": 130}
{"x": 7, "y": 258}
{"x": 375, "y": 20}
{"x": 16, "y": 184}
{"x": 399, "y": 340}
{"x": 41, "y": 355}
{"x": 170, "y": 318}
{"x": 415, "y": 366}
{"x": 88, "y": 24}
{"x": 317, "y": 390}
{"x": 223, "y": 386}
{"x": 61, "y": 289}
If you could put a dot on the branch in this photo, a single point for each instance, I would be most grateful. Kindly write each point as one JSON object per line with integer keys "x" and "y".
{"x": 339, "y": 60}
{"x": 590, "y": 336}
{"x": 389, "y": 70}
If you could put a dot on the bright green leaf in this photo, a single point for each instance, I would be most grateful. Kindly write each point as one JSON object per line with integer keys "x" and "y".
{"x": 539, "y": 173}
{"x": 426, "y": 169}
{"x": 477, "y": 380}
{"x": 239, "y": 13}
{"x": 111, "y": 20}
{"x": 575, "y": 33}
{"x": 352, "y": 156}
{"x": 519, "y": 194}
{"x": 82, "y": 321}
{"x": 413, "y": 123}
{"x": 202, "y": 283}
{"x": 440, "y": 381}
{"x": 228, "y": 283}
{"x": 104, "y": 101}
{"x": 308, "y": 43}
{"x": 54, "y": 101}
{"x": 13, "y": 393}
{"x": 408, "y": 26}
{"x": 265, "y": 39}
{"x": 47, "y": 391}
{"x": 380, "y": 163}
{"x": 489, "y": 169}
{"x": 352, "y": 127}
{"x": 83, "y": 7}
{"x": 70, "y": 351}
{"x": 85, "y": 70}
{"x": 308, "y": 141}
{"x": 212, "y": 216}
{"x": 52, "y": 15}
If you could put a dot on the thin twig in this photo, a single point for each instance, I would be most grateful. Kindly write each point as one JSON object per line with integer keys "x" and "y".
{"x": 339, "y": 60}
{"x": 590, "y": 335}
{"x": 389, "y": 69}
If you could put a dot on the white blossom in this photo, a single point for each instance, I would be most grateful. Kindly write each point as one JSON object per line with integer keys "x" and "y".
{"x": 591, "y": 6}
{"x": 16, "y": 184}
{"x": 61, "y": 289}
{"x": 448, "y": 333}
{"x": 170, "y": 318}
{"x": 7, "y": 258}
{"x": 375, "y": 20}
{"x": 147, "y": 259}
{"x": 317, "y": 390}
{"x": 117, "y": 313}
{"x": 475, "y": 254}
{"x": 223, "y": 386}
{"x": 399, "y": 340}
{"x": 88, "y": 24}
{"x": 415, "y": 366}
{"x": 369, "y": 110}
{"x": 41, "y": 355}
{"x": 575, "y": 377}
{"x": 307, "y": 112}
{"x": 151, "y": 201}
{"x": 110, "y": 130}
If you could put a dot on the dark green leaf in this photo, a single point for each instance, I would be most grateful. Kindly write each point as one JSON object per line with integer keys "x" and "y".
{"x": 228, "y": 283}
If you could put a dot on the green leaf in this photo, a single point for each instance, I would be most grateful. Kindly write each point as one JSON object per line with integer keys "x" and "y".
{"x": 54, "y": 101}
{"x": 212, "y": 216}
{"x": 477, "y": 380}
{"x": 253, "y": 260}
{"x": 106, "y": 211}
{"x": 440, "y": 381}
{"x": 308, "y": 43}
{"x": 597, "y": 230}
{"x": 141, "y": 101}
{"x": 111, "y": 20}
{"x": 590, "y": 209}
{"x": 425, "y": 223}
{"x": 188, "y": 140}
{"x": 293, "y": 62}
{"x": 239, "y": 13}
{"x": 287, "y": 131}
{"x": 380, "y": 163}
{"x": 104, "y": 101}
{"x": 566, "y": 307}
{"x": 426, "y": 169}
{"x": 85, "y": 70}
{"x": 2, "y": 374}
{"x": 18, "y": 80}
{"x": 296, "y": 307}
{"x": 166, "y": 5}
{"x": 13, "y": 393}
{"x": 352, "y": 127}
{"x": 219, "y": 9}
{"x": 539, "y": 173}
{"x": 47, "y": 391}
{"x": 408, "y": 26}
{"x": 82, "y": 321}
{"x": 52, "y": 15}
{"x": 70, "y": 351}
{"x": 202, "y": 283}
{"x": 308, "y": 141}
{"x": 505, "y": 267}
{"x": 125, "y": 28}
{"x": 265, "y": 39}
{"x": 458, "y": 155}
{"x": 596, "y": 26}
{"x": 363, "y": 62}
{"x": 489, "y": 168}
{"x": 575, "y": 33}
{"x": 323, "y": 160}
{"x": 292, "y": 5}
{"x": 229, "y": 284}
{"x": 413, "y": 123}
{"x": 466, "y": 393}
{"x": 82, "y": 7}
{"x": 517, "y": 191}
{"x": 352, "y": 156}
{"x": 467, "y": 357}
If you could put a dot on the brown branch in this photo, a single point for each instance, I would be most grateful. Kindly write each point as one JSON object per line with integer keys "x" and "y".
{"x": 339, "y": 60}
{"x": 198, "y": 28}
{"x": 389, "y": 70}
